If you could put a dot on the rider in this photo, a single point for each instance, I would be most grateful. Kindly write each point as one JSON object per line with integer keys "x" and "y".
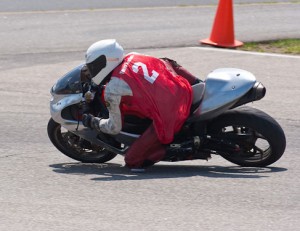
{"x": 144, "y": 86}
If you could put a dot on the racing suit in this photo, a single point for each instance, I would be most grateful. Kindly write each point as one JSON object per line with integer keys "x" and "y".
{"x": 158, "y": 89}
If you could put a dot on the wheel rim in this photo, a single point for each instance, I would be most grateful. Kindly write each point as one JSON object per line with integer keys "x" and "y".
{"x": 78, "y": 146}
{"x": 253, "y": 146}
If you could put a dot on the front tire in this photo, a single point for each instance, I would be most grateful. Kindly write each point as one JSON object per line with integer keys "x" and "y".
{"x": 75, "y": 147}
{"x": 260, "y": 138}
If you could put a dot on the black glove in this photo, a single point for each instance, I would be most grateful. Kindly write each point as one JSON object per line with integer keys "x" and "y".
{"x": 87, "y": 120}
{"x": 90, "y": 121}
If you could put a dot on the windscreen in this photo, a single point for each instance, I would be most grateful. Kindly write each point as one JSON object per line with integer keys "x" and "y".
{"x": 69, "y": 83}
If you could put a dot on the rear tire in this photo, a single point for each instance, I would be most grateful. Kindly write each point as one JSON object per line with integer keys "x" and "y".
{"x": 260, "y": 138}
{"x": 75, "y": 147}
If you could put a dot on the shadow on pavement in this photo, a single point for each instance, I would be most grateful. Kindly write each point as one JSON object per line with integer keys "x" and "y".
{"x": 112, "y": 172}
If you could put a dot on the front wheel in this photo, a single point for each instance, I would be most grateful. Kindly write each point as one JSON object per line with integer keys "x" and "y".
{"x": 259, "y": 139}
{"x": 75, "y": 147}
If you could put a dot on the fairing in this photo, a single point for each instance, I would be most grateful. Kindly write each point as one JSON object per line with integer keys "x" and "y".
{"x": 223, "y": 88}
{"x": 66, "y": 91}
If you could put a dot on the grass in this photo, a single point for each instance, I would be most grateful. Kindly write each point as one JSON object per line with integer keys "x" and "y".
{"x": 284, "y": 46}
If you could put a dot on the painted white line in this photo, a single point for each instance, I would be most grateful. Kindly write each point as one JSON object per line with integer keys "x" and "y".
{"x": 246, "y": 52}
{"x": 103, "y": 9}
{"x": 138, "y": 8}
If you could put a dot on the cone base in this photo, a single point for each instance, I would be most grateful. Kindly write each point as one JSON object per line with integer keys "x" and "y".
{"x": 232, "y": 44}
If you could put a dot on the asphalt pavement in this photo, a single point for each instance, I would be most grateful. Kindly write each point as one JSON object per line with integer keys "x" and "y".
{"x": 40, "y": 189}
{"x": 37, "y": 5}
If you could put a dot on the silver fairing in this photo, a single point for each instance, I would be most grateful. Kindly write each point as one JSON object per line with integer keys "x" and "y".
{"x": 223, "y": 87}
{"x": 66, "y": 93}
{"x": 58, "y": 103}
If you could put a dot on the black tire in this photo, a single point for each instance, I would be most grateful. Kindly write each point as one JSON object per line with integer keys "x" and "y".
{"x": 259, "y": 127}
{"x": 75, "y": 147}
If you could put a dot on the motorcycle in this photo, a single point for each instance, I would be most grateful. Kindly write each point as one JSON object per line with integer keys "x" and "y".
{"x": 219, "y": 122}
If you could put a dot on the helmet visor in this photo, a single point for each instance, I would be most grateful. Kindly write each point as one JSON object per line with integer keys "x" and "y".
{"x": 97, "y": 65}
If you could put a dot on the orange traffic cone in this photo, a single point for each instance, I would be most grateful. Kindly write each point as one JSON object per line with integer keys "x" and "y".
{"x": 222, "y": 34}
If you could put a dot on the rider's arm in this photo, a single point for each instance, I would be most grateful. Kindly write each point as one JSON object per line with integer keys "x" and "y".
{"x": 115, "y": 89}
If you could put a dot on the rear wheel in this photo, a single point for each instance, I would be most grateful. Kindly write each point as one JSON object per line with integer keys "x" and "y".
{"x": 258, "y": 138}
{"x": 75, "y": 147}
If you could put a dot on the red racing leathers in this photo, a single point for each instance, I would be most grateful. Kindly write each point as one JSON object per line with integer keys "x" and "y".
{"x": 158, "y": 93}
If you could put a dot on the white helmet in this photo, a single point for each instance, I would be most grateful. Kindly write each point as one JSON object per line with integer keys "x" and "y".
{"x": 102, "y": 57}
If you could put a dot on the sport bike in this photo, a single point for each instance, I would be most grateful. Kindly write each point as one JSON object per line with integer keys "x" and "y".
{"x": 219, "y": 122}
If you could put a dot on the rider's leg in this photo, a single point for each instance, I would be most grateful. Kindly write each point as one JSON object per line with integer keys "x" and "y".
{"x": 145, "y": 151}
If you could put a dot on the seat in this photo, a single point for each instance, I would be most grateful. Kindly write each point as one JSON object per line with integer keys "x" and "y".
{"x": 198, "y": 93}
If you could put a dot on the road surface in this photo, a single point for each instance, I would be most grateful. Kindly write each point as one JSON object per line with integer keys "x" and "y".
{"x": 40, "y": 189}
